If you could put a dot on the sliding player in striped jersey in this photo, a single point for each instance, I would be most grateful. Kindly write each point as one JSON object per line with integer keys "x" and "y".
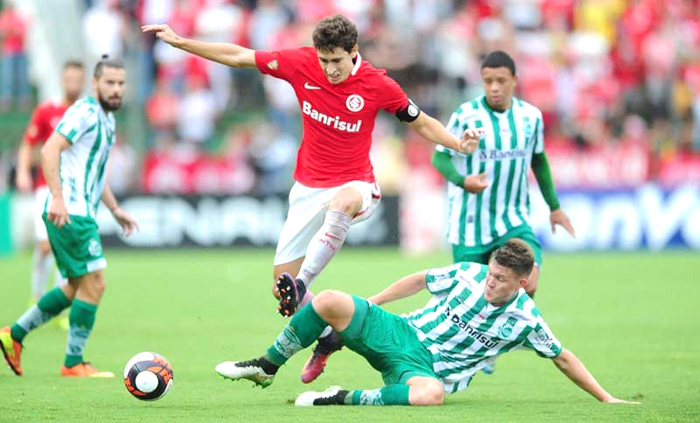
{"x": 477, "y": 313}
{"x": 488, "y": 190}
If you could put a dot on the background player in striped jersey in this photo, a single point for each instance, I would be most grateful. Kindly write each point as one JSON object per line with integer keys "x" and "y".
{"x": 339, "y": 96}
{"x": 74, "y": 160}
{"x": 42, "y": 123}
{"x": 477, "y": 312}
{"x": 488, "y": 190}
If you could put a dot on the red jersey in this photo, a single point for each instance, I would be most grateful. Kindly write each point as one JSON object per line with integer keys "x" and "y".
{"x": 44, "y": 120}
{"x": 337, "y": 119}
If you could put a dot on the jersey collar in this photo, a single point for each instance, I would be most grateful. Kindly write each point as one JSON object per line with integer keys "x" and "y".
{"x": 358, "y": 62}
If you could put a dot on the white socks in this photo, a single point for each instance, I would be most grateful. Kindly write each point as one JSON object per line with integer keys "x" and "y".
{"x": 324, "y": 245}
{"x": 41, "y": 266}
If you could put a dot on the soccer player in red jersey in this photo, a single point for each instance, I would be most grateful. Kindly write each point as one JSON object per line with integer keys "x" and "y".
{"x": 340, "y": 95}
{"x": 43, "y": 121}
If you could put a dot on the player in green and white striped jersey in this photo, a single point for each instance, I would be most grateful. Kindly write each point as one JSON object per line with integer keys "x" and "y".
{"x": 488, "y": 190}
{"x": 74, "y": 160}
{"x": 477, "y": 313}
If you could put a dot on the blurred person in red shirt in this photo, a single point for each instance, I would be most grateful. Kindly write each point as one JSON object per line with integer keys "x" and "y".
{"x": 162, "y": 110}
{"x": 43, "y": 122}
{"x": 13, "y": 70}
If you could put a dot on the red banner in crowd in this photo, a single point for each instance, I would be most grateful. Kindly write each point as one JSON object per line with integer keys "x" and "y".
{"x": 195, "y": 173}
{"x": 606, "y": 166}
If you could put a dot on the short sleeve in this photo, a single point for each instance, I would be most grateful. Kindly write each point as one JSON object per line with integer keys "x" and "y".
{"x": 279, "y": 64}
{"x": 33, "y": 132}
{"x": 539, "y": 135}
{"x": 442, "y": 279}
{"x": 542, "y": 340}
{"x": 392, "y": 96}
{"x": 78, "y": 120}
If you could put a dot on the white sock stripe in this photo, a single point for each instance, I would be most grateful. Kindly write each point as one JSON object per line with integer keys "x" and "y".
{"x": 339, "y": 219}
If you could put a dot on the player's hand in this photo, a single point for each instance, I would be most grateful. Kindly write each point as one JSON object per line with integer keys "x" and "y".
{"x": 58, "y": 214}
{"x": 470, "y": 140}
{"x": 24, "y": 182}
{"x": 558, "y": 217}
{"x": 476, "y": 183}
{"x": 126, "y": 221}
{"x": 161, "y": 31}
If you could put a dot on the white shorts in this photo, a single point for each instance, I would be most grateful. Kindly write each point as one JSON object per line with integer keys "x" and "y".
{"x": 307, "y": 209}
{"x": 40, "y": 196}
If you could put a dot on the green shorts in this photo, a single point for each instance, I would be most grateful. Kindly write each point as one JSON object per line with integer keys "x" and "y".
{"x": 482, "y": 254}
{"x": 388, "y": 343}
{"x": 76, "y": 247}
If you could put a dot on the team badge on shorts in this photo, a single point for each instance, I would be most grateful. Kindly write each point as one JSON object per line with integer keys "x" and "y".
{"x": 94, "y": 248}
{"x": 273, "y": 64}
{"x": 355, "y": 103}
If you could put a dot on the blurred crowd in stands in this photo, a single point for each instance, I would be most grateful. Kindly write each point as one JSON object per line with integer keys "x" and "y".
{"x": 618, "y": 82}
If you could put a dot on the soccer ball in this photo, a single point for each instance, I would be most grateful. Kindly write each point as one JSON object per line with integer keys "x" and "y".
{"x": 148, "y": 376}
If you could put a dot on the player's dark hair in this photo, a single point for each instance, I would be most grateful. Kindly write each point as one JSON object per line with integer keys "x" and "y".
{"x": 333, "y": 32}
{"x": 106, "y": 62}
{"x": 499, "y": 59}
{"x": 76, "y": 64}
{"x": 516, "y": 255}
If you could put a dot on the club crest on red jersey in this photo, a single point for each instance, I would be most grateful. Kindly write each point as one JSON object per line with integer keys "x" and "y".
{"x": 273, "y": 65}
{"x": 355, "y": 103}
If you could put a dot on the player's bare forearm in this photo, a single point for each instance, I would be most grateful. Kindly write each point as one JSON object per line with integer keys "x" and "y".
{"x": 432, "y": 130}
{"x": 24, "y": 165}
{"x": 109, "y": 199}
{"x": 51, "y": 160}
{"x": 574, "y": 369}
{"x": 24, "y": 157}
{"x": 404, "y": 287}
{"x": 227, "y": 54}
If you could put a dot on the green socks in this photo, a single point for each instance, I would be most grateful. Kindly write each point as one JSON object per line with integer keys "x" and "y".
{"x": 82, "y": 318}
{"x": 50, "y": 305}
{"x": 306, "y": 326}
{"x": 388, "y": 395}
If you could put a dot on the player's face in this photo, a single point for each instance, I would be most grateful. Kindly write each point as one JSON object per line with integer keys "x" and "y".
{"x": 501, "y": 284}
{"x": 73, "y": 80}
{"x": 499, "y": 85}
{"x": 109, "y": 88}
{"x": 337, "y": 64}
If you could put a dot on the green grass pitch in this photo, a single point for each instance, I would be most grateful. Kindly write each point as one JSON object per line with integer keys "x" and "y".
{"x": 631, "y": 317}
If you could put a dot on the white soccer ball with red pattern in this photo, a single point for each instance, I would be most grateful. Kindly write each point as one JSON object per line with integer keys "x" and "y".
{"x": 148, "y": 376}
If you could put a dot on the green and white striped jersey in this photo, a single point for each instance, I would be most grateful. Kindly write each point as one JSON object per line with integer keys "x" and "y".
{"x": 505, "y": 153}
{"x": 90, "y": 132}
{"x": 464, "y": 332}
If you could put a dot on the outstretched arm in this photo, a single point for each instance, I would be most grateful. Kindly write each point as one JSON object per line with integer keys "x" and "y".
{"x": 432, "y": 130}
{"x": 227, "y": 54}
{"x": 574, "y": 369}
{"x": 404, "y": 287}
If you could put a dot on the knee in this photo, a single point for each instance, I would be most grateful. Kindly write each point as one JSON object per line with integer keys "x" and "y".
{"x": 329, "y": 304}
{"x": 348, "y": 201}
{"x": 325, "y": 300}
{"x": 95, "y": 286}
{"x": 432, "y": 394}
